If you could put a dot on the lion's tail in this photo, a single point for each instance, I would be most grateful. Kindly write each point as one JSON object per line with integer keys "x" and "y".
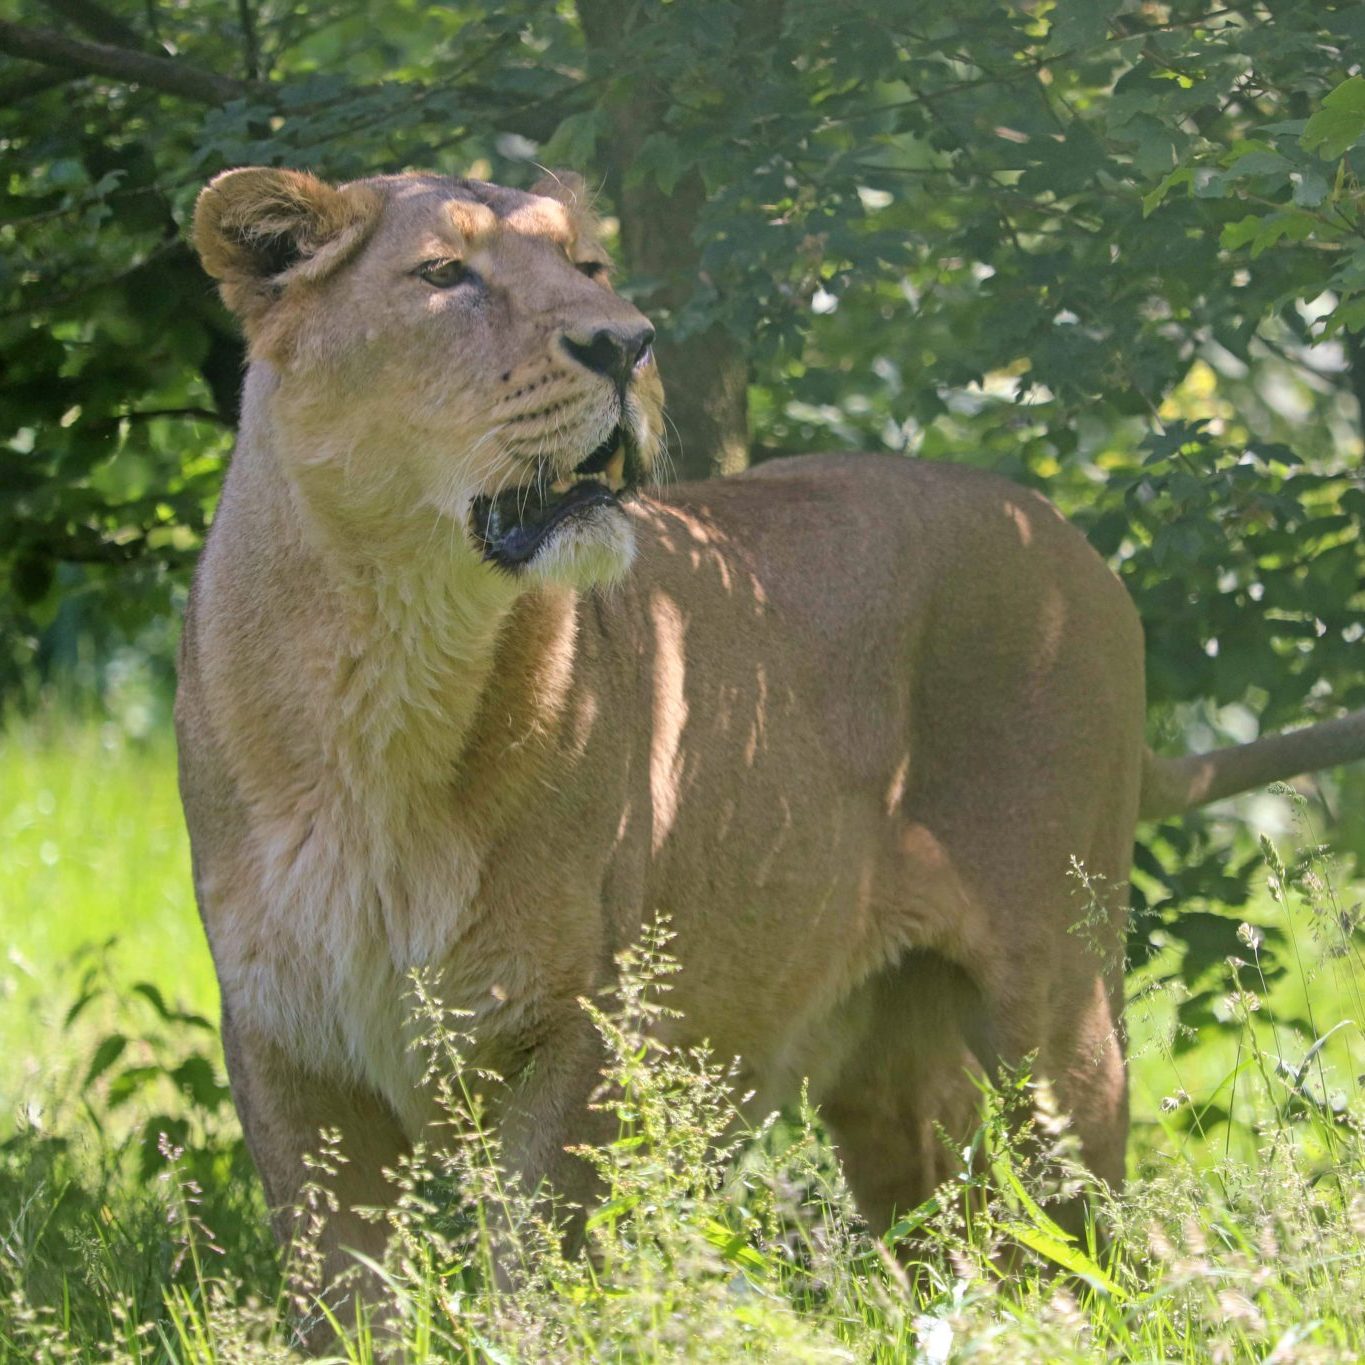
{"x": 1171, "y": 786}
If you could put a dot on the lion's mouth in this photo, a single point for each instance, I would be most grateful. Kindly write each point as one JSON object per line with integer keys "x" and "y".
{"x": 511, "y": 528}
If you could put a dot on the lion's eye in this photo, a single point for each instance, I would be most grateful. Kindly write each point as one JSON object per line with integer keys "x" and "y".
{"x": 594, "y": 270}
{"x": 444, "y": 274}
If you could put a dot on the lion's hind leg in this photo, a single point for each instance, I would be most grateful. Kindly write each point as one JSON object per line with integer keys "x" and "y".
{"x": 911, "y": 1098}
{"x": 909, "y": 1095}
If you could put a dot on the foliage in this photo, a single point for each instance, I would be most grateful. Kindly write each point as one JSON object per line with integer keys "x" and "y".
{"x": 113, "y": 1173}
{"x": 995, "y": 233}
{"x": 94, "y": 850}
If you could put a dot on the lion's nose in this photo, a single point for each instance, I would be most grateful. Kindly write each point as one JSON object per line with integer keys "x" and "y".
{"x": 611, "y": 351}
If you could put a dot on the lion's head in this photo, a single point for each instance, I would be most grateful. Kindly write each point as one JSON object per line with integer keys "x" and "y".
{"x": 443, "y": 349}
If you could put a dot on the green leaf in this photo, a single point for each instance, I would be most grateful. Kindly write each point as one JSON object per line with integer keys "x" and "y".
{"x": 732, "y": 1245}
{"x": 88, "y": 993}
{"x": 1310, "y": 189}
{"x": 575, "y": 140}
{"x": 1349, "y": 317}
{"x": 1045, "y": 1237}
{"x": 1338, "y": 125}
{"x": 1078, "y": 26}
{"x": 108, "y": 1052}
{"x": 660, "y": 156}
{"x": 159, "y": 1130}
{"x": 129, "y": 1081}
{"x": 1150, "y": 201}
{"x": 1261, "y": 231}
{"x": 911, "y": 1223}
{"x": 196, "y": 1077}
{"x": 153, "y": 996}
{"x": 1242, "y": 232}
{"x": 612, "y": 1210}
{"x": 1296, "y": 1074}
{"x": 1068, "y": 1257}
{"x": 1259, "y": 161}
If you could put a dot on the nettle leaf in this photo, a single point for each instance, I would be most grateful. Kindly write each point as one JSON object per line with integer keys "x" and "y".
{"x": 153, "y": 996}
{"x": 197, "y": 1078}
{"x": 1339, "y": 124}
{"x": 106, "y": 1054}
{"x": 161, "y": 1134}
{"x": 130, "y": 1081}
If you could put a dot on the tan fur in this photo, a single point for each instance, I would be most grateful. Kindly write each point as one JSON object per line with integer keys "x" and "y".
{"x": 847, "y": 721}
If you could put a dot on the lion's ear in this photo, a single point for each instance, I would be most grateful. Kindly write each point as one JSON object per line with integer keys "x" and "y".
{"x": 258, "y": 228}
{"x": 568, "y": 187}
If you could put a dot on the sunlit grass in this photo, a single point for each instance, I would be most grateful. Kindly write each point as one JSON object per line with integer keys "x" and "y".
{"x": 92, "y": 849}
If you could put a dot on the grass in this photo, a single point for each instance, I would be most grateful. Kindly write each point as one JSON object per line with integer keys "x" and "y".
{"x": 131, "y": 1226}
{"x": 94, "y": 852}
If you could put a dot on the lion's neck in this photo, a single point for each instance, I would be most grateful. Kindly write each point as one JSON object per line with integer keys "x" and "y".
{"x": 413, "y": 661}
{"x": 393, "y": 637}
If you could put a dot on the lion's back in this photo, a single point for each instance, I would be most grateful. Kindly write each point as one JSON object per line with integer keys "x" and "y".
{"x": 833, "y": 533}
{"x": 968, "y": 599}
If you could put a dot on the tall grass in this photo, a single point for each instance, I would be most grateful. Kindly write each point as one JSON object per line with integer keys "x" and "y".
{"x": 131, "y": 1227}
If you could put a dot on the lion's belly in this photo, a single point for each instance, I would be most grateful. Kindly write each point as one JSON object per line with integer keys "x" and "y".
{"x": 775, "y": 929}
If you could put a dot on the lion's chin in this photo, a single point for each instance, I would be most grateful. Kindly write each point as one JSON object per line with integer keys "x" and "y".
{"x": 593, "y": 549}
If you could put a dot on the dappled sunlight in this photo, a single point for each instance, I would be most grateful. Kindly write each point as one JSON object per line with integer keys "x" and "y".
{"x": 669, "y": 715}
{"x": 1020, "y": 519}
{"x": 709, "y": 551}
{"x": 776, "y": 843}
{"x": 895, "y": 793}
{"x": 757, "y": 739}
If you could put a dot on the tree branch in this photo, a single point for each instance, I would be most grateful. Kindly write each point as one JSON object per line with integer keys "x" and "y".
{"x": 167, "y": 74}
{"x": 250, "y": 47}
{"x": 96, "y": 21}
{"x": 154, "y": 414}
{"x": 32, "y": 83}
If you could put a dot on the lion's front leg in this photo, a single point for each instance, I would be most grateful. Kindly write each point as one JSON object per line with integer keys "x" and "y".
{"x": 284, "y": 1109}
{"x": 549, "y": 1114}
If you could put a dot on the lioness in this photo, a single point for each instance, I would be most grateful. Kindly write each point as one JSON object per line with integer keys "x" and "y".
{"x": 455, "y": 693}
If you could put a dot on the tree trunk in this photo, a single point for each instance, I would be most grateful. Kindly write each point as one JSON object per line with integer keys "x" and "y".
{"x": 705, "y": 375}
